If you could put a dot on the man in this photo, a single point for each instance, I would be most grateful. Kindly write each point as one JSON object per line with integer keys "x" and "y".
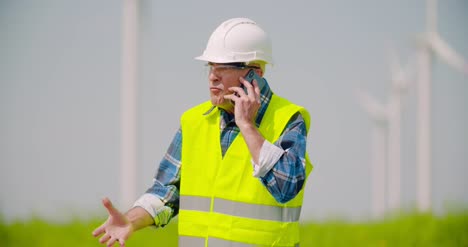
{"x": 235, "y": 171}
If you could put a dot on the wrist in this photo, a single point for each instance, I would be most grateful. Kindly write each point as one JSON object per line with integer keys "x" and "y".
{"x": 138, "y": 218}
{"x": 246, "y": 126}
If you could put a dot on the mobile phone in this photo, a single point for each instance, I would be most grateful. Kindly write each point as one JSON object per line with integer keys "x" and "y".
{"x": 252, "y": 75}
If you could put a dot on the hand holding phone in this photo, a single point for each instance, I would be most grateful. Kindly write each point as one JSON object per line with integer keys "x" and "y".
{"x": 250, "y": 76}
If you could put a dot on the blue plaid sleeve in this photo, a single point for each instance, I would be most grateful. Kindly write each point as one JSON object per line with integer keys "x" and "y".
{"x": 166, "y": 183}
{"x": 286, "y": 178}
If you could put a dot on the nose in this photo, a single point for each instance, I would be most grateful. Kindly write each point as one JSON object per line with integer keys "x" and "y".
{"x": 212, "y": 76}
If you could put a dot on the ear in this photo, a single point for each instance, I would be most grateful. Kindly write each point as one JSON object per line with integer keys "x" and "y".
{"x": 260, "y": 65}
{"x": 259, "y": 72}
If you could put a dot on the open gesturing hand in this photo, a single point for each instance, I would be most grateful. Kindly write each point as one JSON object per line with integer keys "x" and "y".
{"x": 117, "y": 227}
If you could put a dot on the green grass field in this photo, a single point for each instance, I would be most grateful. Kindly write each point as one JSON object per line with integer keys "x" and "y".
{"x": 410, "y": 229}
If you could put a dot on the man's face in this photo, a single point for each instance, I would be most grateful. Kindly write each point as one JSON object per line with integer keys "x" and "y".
{"x": 221, "y": 77}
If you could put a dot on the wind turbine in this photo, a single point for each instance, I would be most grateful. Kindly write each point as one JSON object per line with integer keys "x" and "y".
{"x": 430, "y": 43}
{"x": 128, "y": 94}
{"x": 379, "y": 117}
{"x": 386, "y": 140}
{"x": 400, "y": 83}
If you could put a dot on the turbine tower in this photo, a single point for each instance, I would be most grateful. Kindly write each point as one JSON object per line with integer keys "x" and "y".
{"x": 430, "y": 43}
{"x": 400, "y": 83}
{"x": 378, "y": 114}
{"x": 128, "y": 94}
{"x": 386, "y": 141}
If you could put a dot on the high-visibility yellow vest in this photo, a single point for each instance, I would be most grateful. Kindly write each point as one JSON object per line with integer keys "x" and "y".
{"x": 221, "y": 203}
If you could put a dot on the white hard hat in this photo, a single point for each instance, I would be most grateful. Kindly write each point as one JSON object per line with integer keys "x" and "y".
{"x": 238, "y": 40}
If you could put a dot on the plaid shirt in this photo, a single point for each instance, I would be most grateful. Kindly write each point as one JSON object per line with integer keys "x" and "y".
{"x": 283, "y": 181}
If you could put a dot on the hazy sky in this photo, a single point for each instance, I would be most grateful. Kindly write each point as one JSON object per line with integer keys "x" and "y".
{"x": 59, "y": 95}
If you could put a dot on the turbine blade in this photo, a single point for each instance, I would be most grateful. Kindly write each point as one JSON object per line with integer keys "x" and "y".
{"x": 446, "y": 53}
{"x": 376, "y": 110}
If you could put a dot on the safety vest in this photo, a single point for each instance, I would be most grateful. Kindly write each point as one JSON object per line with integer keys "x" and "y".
{"x": 221, "y": 203}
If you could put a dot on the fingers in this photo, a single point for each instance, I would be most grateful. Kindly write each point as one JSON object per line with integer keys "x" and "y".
{"x": 256, "y": 90}
{"x": 111, "y": 242}
{"x": 253, "y": 91}
{"x": 231, "y": 97}
{"x": 247, "y": 85}
{"x": 98, "y": 231}
{"x": 237, "y": 91}
{"x": 122, "y": 242}
{"x": 104, "y": 238}
{"x": 110, "y": 208}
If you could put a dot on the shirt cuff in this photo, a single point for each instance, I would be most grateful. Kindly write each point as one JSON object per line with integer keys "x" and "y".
{"x": 160, "y": 213}
{"x": 269, "y": 155}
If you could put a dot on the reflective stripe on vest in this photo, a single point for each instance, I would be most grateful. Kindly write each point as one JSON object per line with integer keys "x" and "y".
{"x": 186, "y": 241}
{"x": 254, "y": 211}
